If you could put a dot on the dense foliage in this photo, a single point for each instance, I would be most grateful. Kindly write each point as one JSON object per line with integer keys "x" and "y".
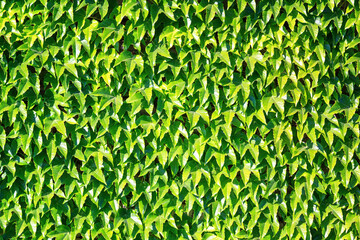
{"x": 159, "y": 119}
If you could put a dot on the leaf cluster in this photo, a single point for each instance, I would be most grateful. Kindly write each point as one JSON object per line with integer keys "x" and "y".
{"x": 159, "y": 119}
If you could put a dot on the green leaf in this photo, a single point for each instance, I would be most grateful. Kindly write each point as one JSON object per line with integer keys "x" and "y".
{"x": 224, "y": 56}
{"x": 60, "y": 126}
{"x": 104, "y": 9}
{"x": 337, "y": 212}
{"x": 60, "y": 232}
{"x": 70, "y": 66}
{"x": 350, "y": 22}
{"x": 279, "y": 103}
{"x": 2, "y": 138}
{"x": 99, "y": 175}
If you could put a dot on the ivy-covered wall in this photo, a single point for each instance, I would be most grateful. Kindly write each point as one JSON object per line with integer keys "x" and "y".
{"x": 160, "y": 119}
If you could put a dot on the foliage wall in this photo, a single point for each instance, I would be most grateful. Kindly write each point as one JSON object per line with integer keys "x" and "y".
{"x": 159, "y": 119}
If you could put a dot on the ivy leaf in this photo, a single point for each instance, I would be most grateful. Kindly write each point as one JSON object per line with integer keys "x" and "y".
{"x": 337, "y": 212}
{"x": 104, "y": 9}
{"x": 70, "y": 66}
{"x": 99, "y": 175}
{"x": 60, "y": 232}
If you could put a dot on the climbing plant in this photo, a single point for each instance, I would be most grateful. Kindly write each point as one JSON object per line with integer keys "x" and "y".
{"x": 170, "y": 119}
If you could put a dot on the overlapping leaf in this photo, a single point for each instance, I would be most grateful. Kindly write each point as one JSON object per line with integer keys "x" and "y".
{"x": 179, "y": 119}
